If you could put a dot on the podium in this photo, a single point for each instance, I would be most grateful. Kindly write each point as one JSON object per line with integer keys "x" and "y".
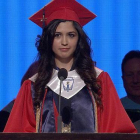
{"x": 69, "y": 136}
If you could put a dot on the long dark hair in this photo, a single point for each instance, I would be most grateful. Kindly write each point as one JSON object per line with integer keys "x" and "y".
{"x": 84, "y": 65}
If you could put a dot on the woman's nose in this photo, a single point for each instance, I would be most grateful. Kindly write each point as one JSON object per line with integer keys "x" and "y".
{"x": 64, "y": 41}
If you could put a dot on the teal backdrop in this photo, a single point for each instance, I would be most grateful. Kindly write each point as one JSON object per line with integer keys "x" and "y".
{"x": 114, "y": 32}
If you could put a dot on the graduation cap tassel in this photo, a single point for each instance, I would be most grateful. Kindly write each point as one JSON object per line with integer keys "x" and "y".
{"x": 43, "y": 24}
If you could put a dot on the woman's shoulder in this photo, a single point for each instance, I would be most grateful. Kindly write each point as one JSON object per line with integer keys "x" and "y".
{"x": 33, "y": 78}
{"x": 98, "y": 71}
{"x": 27, "y": 83}
{"x": 101, "y": 74}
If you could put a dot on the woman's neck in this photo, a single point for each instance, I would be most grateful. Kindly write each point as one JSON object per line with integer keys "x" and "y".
{"x": 64, "y": 64}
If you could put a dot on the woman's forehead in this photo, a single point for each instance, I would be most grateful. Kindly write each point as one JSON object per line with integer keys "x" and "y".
{"x": 66, "y": 26}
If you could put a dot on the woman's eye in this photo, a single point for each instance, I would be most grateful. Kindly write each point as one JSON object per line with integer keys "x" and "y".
{"x": 57, "y": 35}
{"x": 71, "y": 35}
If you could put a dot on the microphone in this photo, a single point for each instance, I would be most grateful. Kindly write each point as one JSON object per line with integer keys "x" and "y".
{"x": 62, "y": 75}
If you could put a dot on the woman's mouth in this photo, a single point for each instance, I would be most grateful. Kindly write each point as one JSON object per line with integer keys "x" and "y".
{"x": 64, "y": 49}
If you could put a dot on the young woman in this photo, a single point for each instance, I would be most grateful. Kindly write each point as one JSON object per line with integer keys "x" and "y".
{"x": 89, "y": 102}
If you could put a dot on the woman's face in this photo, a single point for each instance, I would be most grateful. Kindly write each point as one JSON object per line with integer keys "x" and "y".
{"x": 65, "y": 41}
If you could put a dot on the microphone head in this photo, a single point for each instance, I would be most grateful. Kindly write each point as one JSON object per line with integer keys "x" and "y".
{"x": 62, "y": 74}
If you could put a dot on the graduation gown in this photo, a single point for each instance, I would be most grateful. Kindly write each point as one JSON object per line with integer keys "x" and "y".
{"x": 111, "y": 119}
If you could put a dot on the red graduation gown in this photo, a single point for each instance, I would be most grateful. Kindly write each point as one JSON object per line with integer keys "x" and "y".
{"x": 111, "y": 119}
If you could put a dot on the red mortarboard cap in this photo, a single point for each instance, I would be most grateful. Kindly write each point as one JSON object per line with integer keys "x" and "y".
{"x": 63, "y": 9}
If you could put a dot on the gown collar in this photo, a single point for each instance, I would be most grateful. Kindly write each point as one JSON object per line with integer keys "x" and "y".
{"x": 70, "y": 86}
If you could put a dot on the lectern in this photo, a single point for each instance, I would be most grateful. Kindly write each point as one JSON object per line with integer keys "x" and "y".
{"x": 69, "y": 136}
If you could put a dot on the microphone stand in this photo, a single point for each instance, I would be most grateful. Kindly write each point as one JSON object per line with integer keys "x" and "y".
{"x": 59, "y": 118}
{"x": 62, "y": 75}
